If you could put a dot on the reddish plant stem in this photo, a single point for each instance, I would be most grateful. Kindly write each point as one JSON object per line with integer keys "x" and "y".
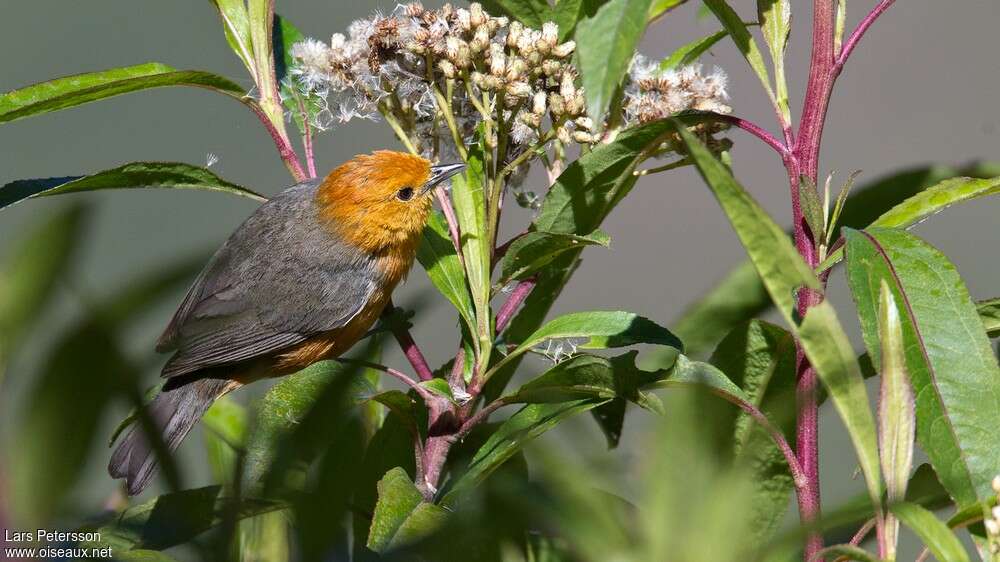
{"x": 510, "y": 306}
{"x": 410, "y": 349}
{"x": 859, "y": 32}
{"x": 285, "y": 150}
{"x": 755, "y": 130}
{"x": 451, "y": 219}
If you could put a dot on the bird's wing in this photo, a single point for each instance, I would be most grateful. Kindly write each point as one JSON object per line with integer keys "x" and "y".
{"x": 279, "y": 279}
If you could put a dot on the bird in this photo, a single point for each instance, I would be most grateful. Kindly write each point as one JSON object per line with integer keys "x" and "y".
{"x": 301, "y": 280}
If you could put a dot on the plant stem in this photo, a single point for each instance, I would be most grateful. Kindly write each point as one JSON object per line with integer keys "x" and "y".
{"x": 410, "y": 349}
{"x": 755, "y": 130}
{"x": 510, "y": 306}
{"x": 862, "y": 28}
{"x": 452, "y": 220}
{"x": 285, "y": 150}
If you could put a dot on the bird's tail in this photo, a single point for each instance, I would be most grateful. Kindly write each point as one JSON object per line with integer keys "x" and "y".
{"x": 173, "y": 412}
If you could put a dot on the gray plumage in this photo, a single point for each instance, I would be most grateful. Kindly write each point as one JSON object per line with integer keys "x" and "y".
{"x": 279, "y": 279}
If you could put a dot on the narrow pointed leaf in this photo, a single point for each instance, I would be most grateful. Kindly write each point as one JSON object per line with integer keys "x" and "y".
{"x": 846, "y": 552}
{"x": 79, "y": 89}
{"x": 745, "y": 42}
{"x": 605, "y": 45}
{"x": 513, "y": 434}
{"x": 690, "y": 52}
{"x": 534, "y": 250}
{"x": 948, "y": 356}
{"x": 740, "y": 295}
{"x": 437, "y": 255}
{"x": 598, "y": 329}
{"x": 925, "y": 204}
{"x": 784, "y": 273}
{"x": 136, "y": 175}
{"x": 941, "y": 541}
{"x": 236, "y": 25}
{"x": 775, "y": 18}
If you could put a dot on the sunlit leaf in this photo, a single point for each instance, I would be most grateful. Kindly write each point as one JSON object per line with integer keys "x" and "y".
{"x": 605, "y": 45}
{"x": 136, "y": 175}
{"x": 436, "y": 254}
{"x": 690, "y": 52}
{"x": 775, "y": 17}
{"x": 932, "y": 532}
{"x": 534, "y": 250}
{"x": 745, "y": 42}
{"x": 951, "y": 366}
{"x": 79, "y": 89}
{"x": 785, "y": 274}
{"x": 597, "y": 329}
{"x": 532, "y": 13}
{"x": 236, "y": 24}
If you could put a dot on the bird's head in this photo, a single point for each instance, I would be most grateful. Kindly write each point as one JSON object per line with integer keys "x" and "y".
{"x": 381, "y": 199}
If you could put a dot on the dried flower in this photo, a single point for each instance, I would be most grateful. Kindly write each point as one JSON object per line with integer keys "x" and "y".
{"x": 652, "y": 94}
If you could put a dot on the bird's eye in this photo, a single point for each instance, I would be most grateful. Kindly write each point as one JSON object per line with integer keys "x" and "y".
{"x": 405, "y": 194}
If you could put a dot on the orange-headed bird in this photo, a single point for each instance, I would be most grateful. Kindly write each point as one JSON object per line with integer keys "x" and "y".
{"x": 301, "y": 280}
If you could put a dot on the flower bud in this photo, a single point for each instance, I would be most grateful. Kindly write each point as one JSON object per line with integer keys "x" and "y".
{"x": 451, "y": 46}
{"x": 516, "y": 68}
{"x": 498, "y": 61}
{"x": 564, "y": 50}
{"x": 447, "y": 68}
{"x": 538, "y": 103}
{"x": 566, "y": 87}
{"x": 550, "y": 34}
{"x": 992, "y": 527}
{"x": 583, "y": 137}
{"x": 556, "y": 104}
{"x": 514, "y": 33}
{"x": 463, "y": 19}
{"x": 584, "y": 123}
{"x": 563, "y": 134}
{"x": 551, "y": 67}
{"x": 519, "y": 89}
{"x": 480, "y": 40}
{"x": 477, "y": 16}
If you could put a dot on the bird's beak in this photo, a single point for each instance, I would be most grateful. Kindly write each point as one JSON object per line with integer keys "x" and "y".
{"x": 440, "y": 173}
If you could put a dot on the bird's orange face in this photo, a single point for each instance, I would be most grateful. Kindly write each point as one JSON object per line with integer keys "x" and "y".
{"x": 381, "y": 200}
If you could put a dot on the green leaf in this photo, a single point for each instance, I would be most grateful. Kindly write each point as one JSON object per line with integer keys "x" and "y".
{"x": 470, "y": 209}
{"x": 741, "y": 295}
{"x": 784, "y": 274}
{"x": 79, "y": 89}
{"x": 35, "y": 263}
{"x": 745, "y": 42}
{"x": 952, "y": 368}
{"x": 135, "y": 175}
{"x": 760, "y": 358}
{"x": 401, "y": 516}
{"x": 596, "y": 330}
{"x": 989, "y": 313}
{"x": 436, "y": 254}
{"x": 775, "y": 18}
{"x": 690, "y": 52}
{"x": 225, "y": 425}
{"x": 896, "y": 416}
{"x": 567, "y": 13}
{"x": 605, "y": 45}
{"x": 589, "y": 376}
{"x": 304, "y": 108}
{"x": 660, "y": 7}
{"x": 532, "y": 13}
{"x": 587, "y": 190}
{"x": 173, "y": 519}
{"x": 934, "y": 534}
{"x": 236, "y": 24}
{"x": 925, "y": 204}
{"x": 513, "y": 434}
{"x": 534, "y": 250}
{"x": 846, "y": 552}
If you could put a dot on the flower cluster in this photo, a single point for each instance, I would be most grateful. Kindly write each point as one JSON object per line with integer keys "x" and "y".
{"x": 654, "y": 94}
{"x": 435, "y": 74}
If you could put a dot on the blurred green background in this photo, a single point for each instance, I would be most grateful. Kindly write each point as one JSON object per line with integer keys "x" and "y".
{"x": 922, "y": 88}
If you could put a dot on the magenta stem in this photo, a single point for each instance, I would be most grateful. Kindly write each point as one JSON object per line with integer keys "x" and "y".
{"x": 410, "y": 349}
{"x": 451, "y": 219}
{"x": 516, "y": 299}
{"x": 860, "y": 31}
{"x": 285, "y": 150}
{"x": 757, "y": 131}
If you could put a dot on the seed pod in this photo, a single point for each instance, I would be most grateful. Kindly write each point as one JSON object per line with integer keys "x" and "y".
{"x": 477, "y": 16}
{"x": 516, "y": 68}
{"x": 556, "y": 104}
{"x": 583, "y": 137}
{"x": 584, "y": 123}
{"x": 519, "y": 89}
{"x": 498, "y": 61}
{"x": 566, "y": 87}
{"x": 463, "y": 19}
{"x": 551, "y": 67}
{"x": 447, "y": 68}
{"x": 480, "y": 40}
{"x": 514, "y": 33}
